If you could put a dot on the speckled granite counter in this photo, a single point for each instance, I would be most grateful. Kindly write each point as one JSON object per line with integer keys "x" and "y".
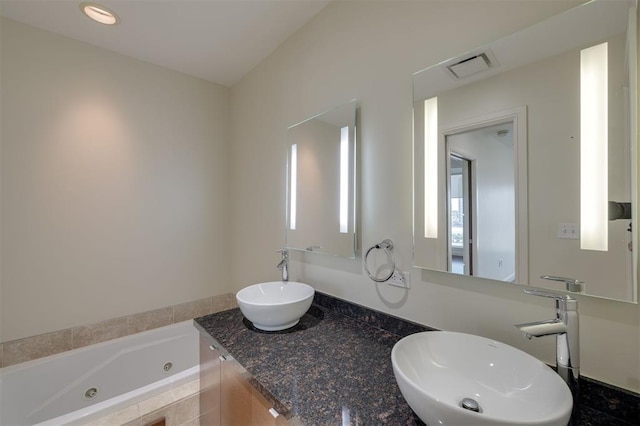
{"x": 334, "y": 367}
{"x": 326, "y": 368}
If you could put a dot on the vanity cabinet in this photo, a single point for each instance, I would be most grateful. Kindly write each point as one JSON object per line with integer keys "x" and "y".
{"x": 210, "y": 377}
{"x": 227, "y": 397}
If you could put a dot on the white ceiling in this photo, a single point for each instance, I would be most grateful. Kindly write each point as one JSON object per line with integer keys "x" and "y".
{"x": 217, "y": 40}
{"x": 576, "y": 28}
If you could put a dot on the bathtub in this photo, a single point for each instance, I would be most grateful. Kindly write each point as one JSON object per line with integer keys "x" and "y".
{"x": 79, "y": 386}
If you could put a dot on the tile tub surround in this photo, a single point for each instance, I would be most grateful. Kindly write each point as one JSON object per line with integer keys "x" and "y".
{"x": 339, "y": 355}
{"x": 30, "y": 348}
{"x": 179, "y": 406}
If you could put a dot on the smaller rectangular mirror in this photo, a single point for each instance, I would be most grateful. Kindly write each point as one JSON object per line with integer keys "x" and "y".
{"x": 321, "y": 182}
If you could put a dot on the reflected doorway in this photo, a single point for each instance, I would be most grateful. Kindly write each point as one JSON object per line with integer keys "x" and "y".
{"x": 460, "y": 213}
{"x": 482, "y": 201}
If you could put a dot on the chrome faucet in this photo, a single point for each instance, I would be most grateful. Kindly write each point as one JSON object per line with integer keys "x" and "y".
{"x": 284, "y": 263}
{"x": 565, "y": 327}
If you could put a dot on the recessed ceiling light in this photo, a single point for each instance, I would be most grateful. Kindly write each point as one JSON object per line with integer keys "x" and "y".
{"x": 99, "y": 13}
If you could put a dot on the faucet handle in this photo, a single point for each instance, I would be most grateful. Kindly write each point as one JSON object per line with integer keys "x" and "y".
{"x": 545, "y": 293}
{"x": 563, "y": 301}
{"x": 566, "y": 280}
{"x": 572, "y": 284}
{"x": 284, "y": 251}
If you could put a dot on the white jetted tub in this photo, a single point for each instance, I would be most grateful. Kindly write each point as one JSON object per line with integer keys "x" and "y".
{"x": 78, "y": 386}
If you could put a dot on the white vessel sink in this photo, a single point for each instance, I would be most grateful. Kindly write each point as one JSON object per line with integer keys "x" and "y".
{"x": 437, "y": 370}
{"x": 275, "y": 305}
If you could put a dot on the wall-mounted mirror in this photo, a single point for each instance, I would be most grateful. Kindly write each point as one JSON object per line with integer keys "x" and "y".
{"x": 525, "y": 156}
{"x": 321, "y": 182}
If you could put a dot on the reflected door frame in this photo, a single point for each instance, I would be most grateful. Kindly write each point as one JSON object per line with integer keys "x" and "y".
{"x": 518, "y": 116}
{"x": 468, "y": 209}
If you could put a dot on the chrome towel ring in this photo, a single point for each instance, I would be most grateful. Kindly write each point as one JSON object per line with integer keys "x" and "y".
{"x": 387, "y": 246}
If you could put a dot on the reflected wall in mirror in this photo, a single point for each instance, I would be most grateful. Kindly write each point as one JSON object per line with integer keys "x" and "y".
{"x": 321, "y": 182}
{"x": 500, "y": 157}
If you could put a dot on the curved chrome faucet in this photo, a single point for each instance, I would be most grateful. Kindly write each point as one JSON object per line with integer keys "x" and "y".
{"x": 284, "y": 263}
{"x": 565, "y": 327}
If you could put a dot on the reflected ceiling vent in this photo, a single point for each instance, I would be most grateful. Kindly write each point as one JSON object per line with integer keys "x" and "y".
{"x": 477, "y": 63}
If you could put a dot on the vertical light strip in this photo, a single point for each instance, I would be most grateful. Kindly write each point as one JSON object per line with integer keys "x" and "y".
{"x": 344, "y": 180}
{"x": 293, "y": 187}
{"x": 594, "y": 148}
{"x": 431, "y": 168}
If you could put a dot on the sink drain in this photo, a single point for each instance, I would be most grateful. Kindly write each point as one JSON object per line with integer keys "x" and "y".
{"x": 167, "y": 367}
{"x": 470, "y": 404}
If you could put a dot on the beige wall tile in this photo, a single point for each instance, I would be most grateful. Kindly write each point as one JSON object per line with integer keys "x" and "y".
{"x": 155, "y": 416}
{"x": 224, "y": 302}
{"x": 194, "y": 422}
{"x": 184, "y": 410}
{"x": 158, "y": 402}
{"x": 127, "y": 415}
{"x": 22, "y": 350}
{"x": 177, "y": 413}
{"x": 190, "y": 310}
{"x": 95, "y": 333}
{"x": 186, "y": 390}
{"x": 150, "y": 319}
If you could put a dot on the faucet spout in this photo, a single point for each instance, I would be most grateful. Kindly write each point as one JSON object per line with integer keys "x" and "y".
{"x": 565, "y": 327}
{"x": 283, "y": 265}
{"x": 542, "y": 328}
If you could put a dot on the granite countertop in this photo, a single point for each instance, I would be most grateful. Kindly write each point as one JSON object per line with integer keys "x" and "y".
{"x": 327, "y": 370}
{"x": 334, "y": 368}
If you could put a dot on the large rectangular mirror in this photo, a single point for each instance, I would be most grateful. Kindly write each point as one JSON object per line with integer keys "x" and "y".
{"x": 525, "y": 156}
{"x": 321, "y": 182}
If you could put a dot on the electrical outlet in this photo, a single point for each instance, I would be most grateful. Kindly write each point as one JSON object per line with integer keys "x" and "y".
{"x": 400, "y": 279}
{"x": 568, "y": 231}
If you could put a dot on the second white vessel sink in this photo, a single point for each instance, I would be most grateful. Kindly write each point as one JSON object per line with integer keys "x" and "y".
{"x": 459, "y": 379}
{"x": 275, "y": 305}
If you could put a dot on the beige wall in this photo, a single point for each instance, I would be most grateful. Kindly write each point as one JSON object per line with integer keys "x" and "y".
{"x": 368, "y": 51}
{"x": 114, "y": 185}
